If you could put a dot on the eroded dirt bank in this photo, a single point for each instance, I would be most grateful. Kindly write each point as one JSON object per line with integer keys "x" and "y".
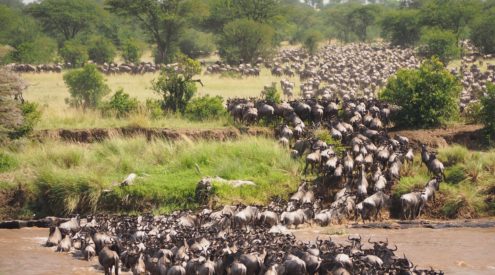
{"x": 453, "y": 250}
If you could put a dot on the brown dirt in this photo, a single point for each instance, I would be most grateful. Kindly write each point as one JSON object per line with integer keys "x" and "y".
{"x": 466, "y": 135}
{"x": 100, "y": 134}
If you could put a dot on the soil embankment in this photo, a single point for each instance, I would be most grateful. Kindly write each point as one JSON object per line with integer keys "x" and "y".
{"x": 100, "y": 134}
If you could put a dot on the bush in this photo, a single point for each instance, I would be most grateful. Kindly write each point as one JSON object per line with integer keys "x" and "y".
{"x": 101, "y": 50}
{"x": 483, "y": 32}
{"x": 205, "y": 108}
{"x": 41, "y": 50}
{"x": 154, "y": 108}
{"x": 311, "y": 40}
{"x": 131, "y": 51}
{"x": 7, "y": 162}
{"x": 120, "y": 104}
{"x": 487, "y": 113}
{"x": 427, "y": 96}
{"x": 177, "y": 86}
{"x": 401, "y": 27}
{"x": 439, "y": 43}
{"x": 196, "y": 44}
{"x": 455, "y": 174}
{"x": 74, "y": 53}
{"x": 271, "y": 94}
{"x": 244, "y": 40}
{"x": 87, "y": 87}
{"x": 31, "y": 114}
{"x": 472, "y": 112}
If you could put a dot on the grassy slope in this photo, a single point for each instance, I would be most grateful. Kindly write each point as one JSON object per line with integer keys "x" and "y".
{"x": 49, "y": 90}
{"x": 66, "y": 178}
{"x": 469, "y": 189}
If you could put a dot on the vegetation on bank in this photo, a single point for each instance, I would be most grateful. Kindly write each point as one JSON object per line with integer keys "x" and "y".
{"x": 57, "y": 178}
{"x": 468, "y": 190}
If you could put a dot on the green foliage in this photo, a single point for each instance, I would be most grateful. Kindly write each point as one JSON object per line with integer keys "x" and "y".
{"x": 7, "y": 162}
{"x": 41, "y": 50}
{"x": 401, "y": 27}
{"x": 311, "y": 40}
{"x": 245, "y": 40}
{"x": 427, "y": 96}
{"x": 120, "y": 104}
{"x": 154, "y": 108}
{"x": 101, "y": 50}
{"x": 272, "y": 94}
{"x": 205, "y": 108}
{"x": 439, "y": 43}
{"x": 31, "y": 114}
{"x": 325, "y": 136}
{"x": 455, "y": 174}
{"x": 196, "y": 44}
{"x": 177, "y": 86}
{"x": 65, "y": 18}
{"x": 132, "y": 51}
{"x": 74, "y": 53}
{"x": 483, "y": 32}
{"x": 487, "y": 113}
{"x": 472, "y": 112}
{"x": 87, "y": 87}
{"x": 454, "y": 155}
{"x": 70, "y": 178}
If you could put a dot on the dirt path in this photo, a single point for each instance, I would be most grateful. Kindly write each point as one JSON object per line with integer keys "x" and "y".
{"x": 453, "y": 250}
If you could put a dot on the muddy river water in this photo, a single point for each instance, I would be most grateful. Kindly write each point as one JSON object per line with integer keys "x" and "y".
{"x": 454, "y": 250}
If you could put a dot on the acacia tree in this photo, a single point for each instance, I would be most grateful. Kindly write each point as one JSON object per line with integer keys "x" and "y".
{"x": 66, "y": 17}
{"x": 163, "y": 21}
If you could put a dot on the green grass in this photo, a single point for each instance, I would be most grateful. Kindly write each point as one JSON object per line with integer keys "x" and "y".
{"x": 469, "y": 188}
{"x": 64, "y": 178}
{"x": 50, "y": 92}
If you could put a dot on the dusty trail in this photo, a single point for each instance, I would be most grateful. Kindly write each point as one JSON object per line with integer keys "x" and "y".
{"x": 453, "y": 250}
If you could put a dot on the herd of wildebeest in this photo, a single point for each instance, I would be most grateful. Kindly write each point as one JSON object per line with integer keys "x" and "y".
{"x": 350, "y": 178}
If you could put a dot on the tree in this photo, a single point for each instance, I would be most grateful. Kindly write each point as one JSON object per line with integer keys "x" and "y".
{"x": 244, "y": 40}
{"x": 311, "y": 40}
{"x": 87, "y": 87}
{"x": 195, "y": 43}
{"x": 101, "y": 50}
{"x": 40, "y": 50}
{"x": 176, "y": 85}
{"x": 257, "y": 10}
{"x": 427, "y": 96}
{"x": 487, "y": 113}
{"x": 360, "y": 19}
{"x": 483, "y": 32}
{"x": 132, "y": 51}
{"x": 401, "y": 27}
{"x": 120, "y": 104}
{"x": 66, "y": 17}
{"x": 74, "y": 53}
{"x": 163, "y": 21}
{"x": 439, "y": 43}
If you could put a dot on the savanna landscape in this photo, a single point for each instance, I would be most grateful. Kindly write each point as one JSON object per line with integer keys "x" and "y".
{"x": 247, "y": 137}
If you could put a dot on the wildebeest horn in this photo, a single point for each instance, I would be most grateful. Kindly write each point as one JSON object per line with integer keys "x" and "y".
{"x": 394, "y": 249}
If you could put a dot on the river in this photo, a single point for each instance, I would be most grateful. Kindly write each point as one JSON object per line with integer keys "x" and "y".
{"x": 454, "y": 250}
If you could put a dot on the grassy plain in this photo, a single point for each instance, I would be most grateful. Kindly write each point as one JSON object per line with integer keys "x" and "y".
{"x": 49, "y": 90}
{"x": 63, "y": 178}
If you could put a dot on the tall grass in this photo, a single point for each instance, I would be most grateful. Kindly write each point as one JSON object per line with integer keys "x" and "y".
{"x": 64, "y": 178}
{"x": 469, "y": 187}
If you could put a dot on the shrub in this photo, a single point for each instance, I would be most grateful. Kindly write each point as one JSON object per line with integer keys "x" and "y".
{"x": 87, "y": 87}
{"x": 311, "y": 40}
{"x": 31, "y": 114}
{"x": 120, "y": 104}
{"x": 472, "y": 112}
{"x": 101, "y": 50}
{"x": 244, "y": 40}
{"x": 483, "y": 32}
{"x": 7, "y": 162}
{"x": 455, "y": 174}
{"x": 195, "y": 43}
{"x": 439, "y": 43}
{"x": 271, "y": 94}
{"x": 205, "y": 108}
{"x": 40, "y": 50}
{"x": 154, "y": 108}
{"x": 427, "y": 96}
{"x": 131, "y": 51}
{"x": 487, "y": 113}
{"x": 74, "y": 53}
{"x": 401, "y": 27}
{"x": 177, "y": 86}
